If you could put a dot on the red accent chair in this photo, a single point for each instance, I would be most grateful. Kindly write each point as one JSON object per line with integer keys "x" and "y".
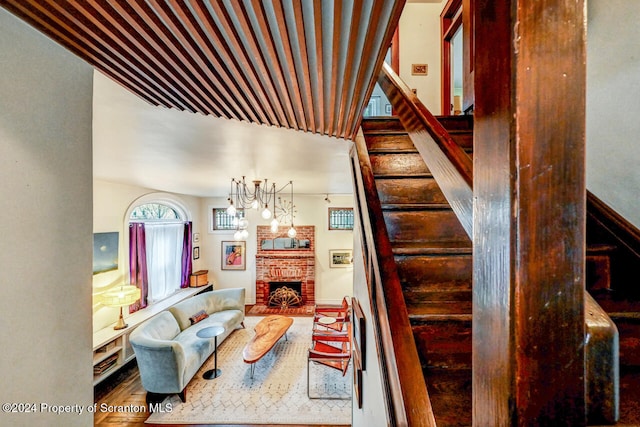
{"x": 331, "y": 349}
{"x": 341, "y": 314}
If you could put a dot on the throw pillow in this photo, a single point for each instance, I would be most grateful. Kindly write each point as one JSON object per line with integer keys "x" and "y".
{"x": 201, "y": 315}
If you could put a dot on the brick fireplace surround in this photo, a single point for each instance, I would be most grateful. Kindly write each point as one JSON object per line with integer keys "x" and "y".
{"x": 290, "y": 265}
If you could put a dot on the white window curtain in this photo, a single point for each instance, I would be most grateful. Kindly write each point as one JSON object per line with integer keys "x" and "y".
{"x": 164, "y": 258}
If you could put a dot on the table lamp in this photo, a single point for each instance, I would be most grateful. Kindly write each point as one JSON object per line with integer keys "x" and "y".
{"x": 121, "y": 296}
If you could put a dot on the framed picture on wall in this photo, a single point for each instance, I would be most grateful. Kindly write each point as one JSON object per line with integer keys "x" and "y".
{"x": 105, "y": 252}
{"x": 359, "y": 332}
{"x": 341, "y": 258}
{"x": 358, "y": 349}
{"x": 234, "y": 255}
{"x": 196, "y": 252}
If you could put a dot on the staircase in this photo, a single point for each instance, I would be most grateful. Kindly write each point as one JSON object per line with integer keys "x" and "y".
{"x": 433, "y": 258}
{"x": 434, "y": 261}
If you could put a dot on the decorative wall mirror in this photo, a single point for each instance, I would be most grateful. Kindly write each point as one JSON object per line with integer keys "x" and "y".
{"x": 285, "y": 243}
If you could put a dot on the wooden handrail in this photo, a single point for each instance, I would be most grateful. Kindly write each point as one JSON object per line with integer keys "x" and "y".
{"x": 407, "y": 401}
{"x": 458, "y": 157}
{"x": 450, "y": 165}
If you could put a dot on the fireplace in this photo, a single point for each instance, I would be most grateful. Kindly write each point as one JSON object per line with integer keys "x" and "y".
{"x": 293, "y": 268}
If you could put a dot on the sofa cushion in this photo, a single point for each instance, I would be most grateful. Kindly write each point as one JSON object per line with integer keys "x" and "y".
{"x": 201, "y": 315}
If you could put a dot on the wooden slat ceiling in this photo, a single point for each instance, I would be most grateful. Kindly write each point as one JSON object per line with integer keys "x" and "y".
{"x": 301, "y": 64}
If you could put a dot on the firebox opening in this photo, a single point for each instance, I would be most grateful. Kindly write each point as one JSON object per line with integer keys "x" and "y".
{"x": 285, "y": 294}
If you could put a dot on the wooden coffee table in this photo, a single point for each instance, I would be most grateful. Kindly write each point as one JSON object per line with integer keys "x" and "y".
{"x": 268, "y": 331}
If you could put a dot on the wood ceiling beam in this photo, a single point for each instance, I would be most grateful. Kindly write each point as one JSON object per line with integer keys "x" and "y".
{"x": 303, "y": 65}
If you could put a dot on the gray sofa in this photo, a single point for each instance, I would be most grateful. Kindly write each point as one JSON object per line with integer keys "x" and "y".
{"x": 167, "y": 349}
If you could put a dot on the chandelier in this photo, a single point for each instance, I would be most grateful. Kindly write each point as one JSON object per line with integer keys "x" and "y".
{"x": 260, "y": 196}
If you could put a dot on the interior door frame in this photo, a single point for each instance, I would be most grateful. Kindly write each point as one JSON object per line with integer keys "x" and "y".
{"x": 450, "y": 22}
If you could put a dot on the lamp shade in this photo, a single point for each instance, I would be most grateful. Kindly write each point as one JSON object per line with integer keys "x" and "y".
{"x": 121, "y": 296}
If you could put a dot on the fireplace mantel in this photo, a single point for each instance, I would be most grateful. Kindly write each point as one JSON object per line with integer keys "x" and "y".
{"x": 284, "y": 255}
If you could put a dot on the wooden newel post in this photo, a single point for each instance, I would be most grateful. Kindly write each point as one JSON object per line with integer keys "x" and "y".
{"x": 529, "y": 226}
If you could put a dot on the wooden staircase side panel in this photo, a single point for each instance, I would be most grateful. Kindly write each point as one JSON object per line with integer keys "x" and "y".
{"x": 605, "y": 226}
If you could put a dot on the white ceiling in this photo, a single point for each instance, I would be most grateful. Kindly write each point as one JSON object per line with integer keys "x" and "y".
{"x": 163, "y": 149}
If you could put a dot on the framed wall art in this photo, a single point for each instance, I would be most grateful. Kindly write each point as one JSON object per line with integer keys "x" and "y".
{"x": 234, "y": 255}
{"x": 341, "y": 258}
{"x": 359, "y": 332}
{"x": 358, "y": 349}
{"x": 105, "y": 252}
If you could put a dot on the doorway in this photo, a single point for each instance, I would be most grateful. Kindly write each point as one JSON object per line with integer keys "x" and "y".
{"x": 452, "y": 57}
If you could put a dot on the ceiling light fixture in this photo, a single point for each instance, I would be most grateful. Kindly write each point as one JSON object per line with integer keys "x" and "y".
{"x": 261, "y": 195}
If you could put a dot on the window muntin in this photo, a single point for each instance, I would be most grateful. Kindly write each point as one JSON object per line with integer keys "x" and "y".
{"x": 224, "y": 221}
{"x": 340, "y": 218}
{"x": 154, "y": 212}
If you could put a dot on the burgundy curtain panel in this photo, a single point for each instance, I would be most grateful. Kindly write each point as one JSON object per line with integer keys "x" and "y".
{"x": 187, "y": 263}
{"x": 138, "y": 264}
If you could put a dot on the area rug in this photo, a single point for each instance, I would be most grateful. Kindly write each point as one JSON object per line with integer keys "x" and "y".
{"x": 277, "y": 393}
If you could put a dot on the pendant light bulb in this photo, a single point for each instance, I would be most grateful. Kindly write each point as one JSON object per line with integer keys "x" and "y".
{"x": 255, "y": 205}
{"x": 292, "y": 232}
{"x": 237, "y": 235}
{"x": 274, "y": 225}
{"x": 231, "y": 210}
{"x": 266, "y": 213}
{"x": 244, "y": 234}
{"x": 243, "y": 223}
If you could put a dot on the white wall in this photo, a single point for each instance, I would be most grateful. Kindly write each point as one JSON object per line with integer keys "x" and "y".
{"x": 45, "y": 170}
{"x": 613, "y": 94}
{"x": 110, "y": 204}
{"x": 373, "y": 411}
{"x": 332, "y": 284}
{"x": 420, "y": 44}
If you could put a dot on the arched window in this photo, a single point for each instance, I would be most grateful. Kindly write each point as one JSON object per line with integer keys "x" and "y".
{"x": 153, "y": 211}
{"x": 160, "y": 247}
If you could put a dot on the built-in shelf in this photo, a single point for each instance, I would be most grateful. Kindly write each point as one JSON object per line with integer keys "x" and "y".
{"x": 108, "y": 341}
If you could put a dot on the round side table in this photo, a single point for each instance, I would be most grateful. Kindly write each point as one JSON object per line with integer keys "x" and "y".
{"x": 208, "y": 333}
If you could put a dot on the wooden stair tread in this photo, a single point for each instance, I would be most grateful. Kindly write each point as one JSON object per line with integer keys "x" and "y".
{"x": 414, "y": 206}
{"x": 401, "y": 175}
{"x": 599, "y": 248}
{"x": 439, "y": 308}
{"x": 630, "y": 316}
{"x": 438, "y": 292}
{"x": 431, "y": 248}
{"x": 391, "y": 151}
{"x": 422, "y": 318}
{"x": 378, "y": 132}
